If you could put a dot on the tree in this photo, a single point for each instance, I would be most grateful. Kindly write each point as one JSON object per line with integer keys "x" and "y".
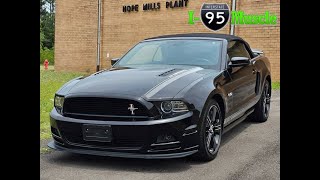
{"x": 48, "y": 31}
{"x": 41, "y": 37}
{"x": 47, "y": 18}
{"x": 43, "y": 10}
{"x": 51, "y": 6}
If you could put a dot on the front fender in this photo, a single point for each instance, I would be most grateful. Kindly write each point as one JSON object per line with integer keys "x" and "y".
{"x": 67, "y": 86}
{"x": 201, "y": 91}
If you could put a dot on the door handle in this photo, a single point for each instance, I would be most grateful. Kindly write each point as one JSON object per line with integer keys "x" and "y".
{"x": 254, "y": 71}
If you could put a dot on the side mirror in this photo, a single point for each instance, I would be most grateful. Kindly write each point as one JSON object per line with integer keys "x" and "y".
{"x": 257, "y": 52}
{"x": 114, "y": 60}
{"x": 239, "y": 61}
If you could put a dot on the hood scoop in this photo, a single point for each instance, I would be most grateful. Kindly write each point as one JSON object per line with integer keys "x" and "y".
{"x": 171, "y": 71}
{"x": 99, "y": 72}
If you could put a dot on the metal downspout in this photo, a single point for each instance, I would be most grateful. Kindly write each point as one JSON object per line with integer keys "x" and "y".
{"x": 232, "y": 29}
{"x": 98, "y": 36}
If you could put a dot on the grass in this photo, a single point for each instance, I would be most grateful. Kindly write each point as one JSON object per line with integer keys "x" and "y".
{"x": 50, "y": 67}
{"x": 275, "y": 85}
{"x": 45, "y": 150}
{"x": 50, "y": 82}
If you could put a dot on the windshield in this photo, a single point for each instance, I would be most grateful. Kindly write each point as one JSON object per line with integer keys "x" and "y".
{"x": 203, "y": 53}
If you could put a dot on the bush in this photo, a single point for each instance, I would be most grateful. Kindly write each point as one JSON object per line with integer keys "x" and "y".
{"x": 46, "y": 53}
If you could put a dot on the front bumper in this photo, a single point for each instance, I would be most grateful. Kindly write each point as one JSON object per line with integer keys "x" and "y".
{"x": 53, "y": 145}
{"x": 132, "y": 139}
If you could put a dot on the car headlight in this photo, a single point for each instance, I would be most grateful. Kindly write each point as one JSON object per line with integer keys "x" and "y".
{"x": 173, "y": 106}
{"x": 58, "y": 103}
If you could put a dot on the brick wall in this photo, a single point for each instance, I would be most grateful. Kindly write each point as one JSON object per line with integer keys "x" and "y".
{"x": 122, "y": 30}
{"x": 266, "y": 37}
{"x": 76, "y": 35}
{"x": 76, "y": 29}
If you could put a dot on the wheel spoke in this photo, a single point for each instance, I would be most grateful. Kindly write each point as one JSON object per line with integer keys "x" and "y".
{"x": 217, "y": 128}
{"x": 209, "y": 138}
{"x": 268, "y": 99}
{"x": 266, "y": 92}
{"x": 266, "y": 102}
{"x": 266, "y": 89}
{"x": 209, "y": 121}
{"x": 216, "y": 141}
{"x": 214, "y": 112}
{"x": 216, "y": 122}
{"x": 267, "y": 108}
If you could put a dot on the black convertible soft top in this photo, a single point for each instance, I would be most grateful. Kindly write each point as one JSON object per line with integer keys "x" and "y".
{"x": 205, "y": 35}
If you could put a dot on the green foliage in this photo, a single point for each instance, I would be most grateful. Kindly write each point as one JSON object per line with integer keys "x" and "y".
{"x": 47, "y": 27}
{"x": 47, "y": 20}
{"x": 42, "y": 7}
{"x": 275, "y": 85}
{"x": 41, "y": 37}
{"x": 44, "y": 150}
{"x": 47, "y": 13}
{"x": 46, "y": 53}
{"x": 50, "y": 82}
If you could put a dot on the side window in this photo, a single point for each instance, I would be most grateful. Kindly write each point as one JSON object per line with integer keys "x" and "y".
{"x": 237, "y": 49}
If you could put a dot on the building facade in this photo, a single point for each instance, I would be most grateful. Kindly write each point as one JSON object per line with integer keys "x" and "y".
{"x": 76, "y": 33}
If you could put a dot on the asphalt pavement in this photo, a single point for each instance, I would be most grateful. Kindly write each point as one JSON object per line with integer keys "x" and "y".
{"x": 248, "y": 151}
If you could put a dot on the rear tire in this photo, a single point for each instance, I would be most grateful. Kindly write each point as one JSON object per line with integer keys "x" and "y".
{"x": 262, "y": 108}
{"x": 210, "y": 132}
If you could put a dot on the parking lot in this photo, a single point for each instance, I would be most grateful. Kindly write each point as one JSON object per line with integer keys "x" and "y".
{"x": 248, "y": 151}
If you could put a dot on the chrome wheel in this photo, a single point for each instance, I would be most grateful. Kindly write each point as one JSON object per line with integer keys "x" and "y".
{"x": 266, "y": 101}
{"x": 213, "y": 129}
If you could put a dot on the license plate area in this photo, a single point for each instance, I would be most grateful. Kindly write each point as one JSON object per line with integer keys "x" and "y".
{"x": 99, "y": 133}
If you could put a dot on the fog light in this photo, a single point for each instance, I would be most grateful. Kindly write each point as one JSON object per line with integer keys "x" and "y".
{"x": 165, "y": 138}
{"x": 55, "y": 131}
{"x": 58, "y": 103}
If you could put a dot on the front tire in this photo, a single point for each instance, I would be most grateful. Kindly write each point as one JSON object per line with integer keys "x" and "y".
{"x": 210, "y": 132}
{"x": 262, "y": 109}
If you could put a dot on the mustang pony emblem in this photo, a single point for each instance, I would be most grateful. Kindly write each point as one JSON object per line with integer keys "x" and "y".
{"x": 132, "y": 108}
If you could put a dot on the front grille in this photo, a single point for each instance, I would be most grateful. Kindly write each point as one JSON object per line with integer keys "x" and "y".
{"x": 99, "y": 108}
{"x": 123, "y": 136}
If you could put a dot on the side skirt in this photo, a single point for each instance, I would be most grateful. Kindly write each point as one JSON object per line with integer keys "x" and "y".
{"x": 239, "y": 120}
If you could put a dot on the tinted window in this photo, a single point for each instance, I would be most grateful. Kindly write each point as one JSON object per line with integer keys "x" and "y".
{"x": 237, "y": 49}
{"x": 204, "y": 53}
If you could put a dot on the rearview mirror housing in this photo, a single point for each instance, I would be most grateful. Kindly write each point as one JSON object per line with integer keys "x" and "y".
{"x": 114, "y": 60}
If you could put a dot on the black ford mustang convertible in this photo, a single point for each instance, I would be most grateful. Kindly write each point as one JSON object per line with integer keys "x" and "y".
{"x": 168, "y": 97}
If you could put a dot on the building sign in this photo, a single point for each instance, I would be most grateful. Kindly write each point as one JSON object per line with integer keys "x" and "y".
{"x": 155, "y": 6}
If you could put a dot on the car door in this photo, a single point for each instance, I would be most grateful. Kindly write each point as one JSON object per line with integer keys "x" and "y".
{"x": 242, "y": 81}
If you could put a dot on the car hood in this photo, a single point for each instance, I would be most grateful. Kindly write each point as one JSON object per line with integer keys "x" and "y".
{"x": 162, "y": 82}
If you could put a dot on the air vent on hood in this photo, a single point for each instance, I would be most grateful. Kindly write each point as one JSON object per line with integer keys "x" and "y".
{"x": 171, "y": 71}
